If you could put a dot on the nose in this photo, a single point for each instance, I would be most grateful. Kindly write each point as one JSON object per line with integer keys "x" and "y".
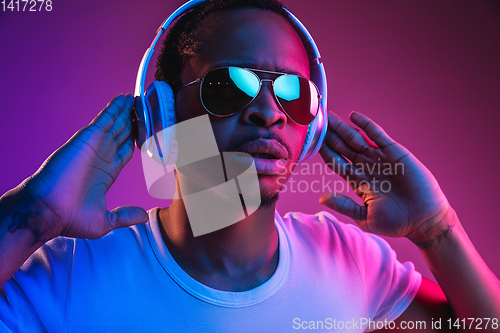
{"x": 264, "y": 110}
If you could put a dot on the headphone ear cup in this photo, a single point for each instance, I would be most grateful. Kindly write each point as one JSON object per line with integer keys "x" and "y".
{"x": 315, "y": 135}
{"x": 307, "y": 142}
{"x": 317, "y": 129}
{"x": 161, "y": 103}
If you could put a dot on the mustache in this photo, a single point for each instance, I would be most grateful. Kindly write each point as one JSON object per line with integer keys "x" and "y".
{"x": 256, "y": 135}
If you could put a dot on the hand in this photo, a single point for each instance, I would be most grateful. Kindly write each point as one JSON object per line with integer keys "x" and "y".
{"x": 70, "y": 186}
{"x": 401, "y": 197}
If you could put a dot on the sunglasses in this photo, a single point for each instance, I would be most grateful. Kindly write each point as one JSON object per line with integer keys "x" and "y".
{"x": 227, "y": 90}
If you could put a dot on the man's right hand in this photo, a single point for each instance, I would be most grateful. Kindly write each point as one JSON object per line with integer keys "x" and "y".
{"x": 68, "y": 189}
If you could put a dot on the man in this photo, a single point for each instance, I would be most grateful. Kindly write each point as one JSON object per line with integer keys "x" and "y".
{"x": 260, "y": 274}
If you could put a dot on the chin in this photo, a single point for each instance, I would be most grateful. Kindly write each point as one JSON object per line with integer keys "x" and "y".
{"x": 269, "y": 189}
{"x": 268, "y": 200}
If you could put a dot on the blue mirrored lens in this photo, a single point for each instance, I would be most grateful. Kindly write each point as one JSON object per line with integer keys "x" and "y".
{"x": 287, "y": 87}
{"x": 245, "y": 80}
{"x": 298, "y": 97}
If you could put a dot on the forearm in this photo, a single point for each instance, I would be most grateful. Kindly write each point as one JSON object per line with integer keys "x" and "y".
{"x": 22, "y": 231}
{"x": 471, "y": 288}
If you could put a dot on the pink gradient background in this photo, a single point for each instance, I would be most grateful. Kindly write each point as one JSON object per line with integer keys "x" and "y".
{"x": 427, "y": 71}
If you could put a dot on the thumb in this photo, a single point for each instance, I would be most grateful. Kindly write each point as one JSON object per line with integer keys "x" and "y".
{"x": 125, "y": 216}
{"x": 344, "y": 205}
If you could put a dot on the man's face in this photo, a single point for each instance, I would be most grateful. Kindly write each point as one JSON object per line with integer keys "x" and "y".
{"x": 256, "y": 39}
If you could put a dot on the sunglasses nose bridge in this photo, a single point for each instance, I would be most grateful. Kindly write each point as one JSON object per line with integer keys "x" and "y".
{"x": 261, "y": 84}
{"x": 267, "y": 80}
{"x": 266, "y": 106}
{"x": 271, "y": 91}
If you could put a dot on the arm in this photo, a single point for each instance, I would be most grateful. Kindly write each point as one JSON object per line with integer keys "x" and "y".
{"x": 411, "y": 204}
{"x": 472, "y": 290}
{"x": 22, "y": 230}
{"x": 65, "y": 197}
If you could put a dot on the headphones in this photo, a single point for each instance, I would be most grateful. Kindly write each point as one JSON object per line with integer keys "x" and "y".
{"x": 156, "y": 108}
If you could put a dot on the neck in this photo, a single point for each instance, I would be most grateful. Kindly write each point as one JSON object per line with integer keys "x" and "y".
{"x": 237, "y": 258}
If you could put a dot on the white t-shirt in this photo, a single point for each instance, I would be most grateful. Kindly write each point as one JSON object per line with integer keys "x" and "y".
{"x": 329, "y": 274}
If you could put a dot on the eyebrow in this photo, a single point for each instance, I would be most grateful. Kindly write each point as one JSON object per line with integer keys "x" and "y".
{"x": 252, "y": 66}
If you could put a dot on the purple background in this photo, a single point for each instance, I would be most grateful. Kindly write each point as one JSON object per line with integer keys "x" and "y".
{"x": 427, "y": 71}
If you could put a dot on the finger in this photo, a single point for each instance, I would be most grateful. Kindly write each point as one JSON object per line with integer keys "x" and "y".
{"x": 125, "y": 216}
{"x": 344, "y": 205}
{"x": 124, "y": 153}
{"x": 123, "y": 118}
{"x": 372, "y": 130}
{"x": 349, "y": 134}
{"x": 336, "y": 143}
{"x": 105, "y": 119}
{"x": 125, "y": 133}
{"x": 335, "y": 161}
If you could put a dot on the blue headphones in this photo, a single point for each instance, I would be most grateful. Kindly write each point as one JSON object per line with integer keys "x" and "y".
{"x": 156, "y": 109}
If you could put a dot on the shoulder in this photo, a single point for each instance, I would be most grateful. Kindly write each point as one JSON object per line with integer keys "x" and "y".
{"x": 390, "y": 285}
{"x": 323, "y": 234}
{"x": 324, "y": 228}
{"x": 51, "y": 255}
{"x": 59, "y": 253}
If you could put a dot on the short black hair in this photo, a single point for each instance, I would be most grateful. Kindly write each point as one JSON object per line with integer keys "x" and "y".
{"x": 180, "y": 43}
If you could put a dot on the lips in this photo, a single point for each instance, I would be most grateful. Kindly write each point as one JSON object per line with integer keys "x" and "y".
{"x": 269, "y": 156}
{"x": 265, "y": 149}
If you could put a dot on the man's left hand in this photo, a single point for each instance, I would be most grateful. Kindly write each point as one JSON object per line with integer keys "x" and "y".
{"x": 401, "y": 197}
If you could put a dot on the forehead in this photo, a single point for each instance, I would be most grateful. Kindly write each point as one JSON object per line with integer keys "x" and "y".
{"x": 252, "y": 38}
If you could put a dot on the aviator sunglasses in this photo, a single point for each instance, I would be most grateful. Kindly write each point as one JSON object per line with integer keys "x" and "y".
{"x": 227, "y": 90}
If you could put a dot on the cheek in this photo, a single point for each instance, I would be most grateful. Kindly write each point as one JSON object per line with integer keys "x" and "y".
{"x": 188, "y": 105}
{"x": 298, "y": 136}
{"x": 223, "y": 131}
